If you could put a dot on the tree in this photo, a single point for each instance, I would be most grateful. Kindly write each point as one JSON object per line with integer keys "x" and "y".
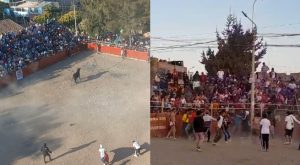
{"x": 68, "y": 19}
{"x": 50, "y": 11}
{"x": 234, "y": 50}
{"x": 207, "y": 59}
{"x": 130, "y": 16}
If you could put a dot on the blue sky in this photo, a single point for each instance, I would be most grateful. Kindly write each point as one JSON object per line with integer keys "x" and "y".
{"x": 197, "y": 20}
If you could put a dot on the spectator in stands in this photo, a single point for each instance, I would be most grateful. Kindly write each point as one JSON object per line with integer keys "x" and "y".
{"x": 273, "y": 74}
{"x": 203, "y": 79}
{"x": 220, "y": 74}
{"x": 264, "y": 70}
{"x": 33, "y": 43}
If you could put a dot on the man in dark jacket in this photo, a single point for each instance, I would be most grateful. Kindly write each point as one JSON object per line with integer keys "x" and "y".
{"x": 199, "y": 129}
{"x": 46, "y": 152}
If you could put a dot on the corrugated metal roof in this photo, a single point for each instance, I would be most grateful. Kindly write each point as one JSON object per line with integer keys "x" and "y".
{"x": 7, "y": 25}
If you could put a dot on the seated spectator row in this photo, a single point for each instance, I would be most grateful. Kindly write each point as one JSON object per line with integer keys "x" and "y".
{"x": 32, "y": 43}
{"x": 201, "y": 90}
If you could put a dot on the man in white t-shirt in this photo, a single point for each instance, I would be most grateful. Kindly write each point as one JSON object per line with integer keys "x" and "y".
{"x": 219, "y": 128}
{"x": 137, "y": 148}
{"x": 265, "y": 125}
{"x": 103, "y": 155}
{"x": 207, "y": 124}
{"x": 290, "y": 119}
{"x": 220, "y": 74}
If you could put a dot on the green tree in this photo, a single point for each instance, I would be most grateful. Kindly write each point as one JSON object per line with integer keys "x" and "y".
{"x": 130, "y": 16}
{"x": 68, "y": 19}
{"x": 50, "y": 11}
{"x": 234, "y": 50}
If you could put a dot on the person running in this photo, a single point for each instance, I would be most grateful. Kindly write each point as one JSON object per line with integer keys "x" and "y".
{"x": 199, "y": 129}
{"x": 185, "y": 122}
{"x": 289, "y": 127}
{"x": 189, "y": 129}
{"x": 265, "y": 126}
{"x": 225, "y": 129}
{"x": 46, "y": 152}
{"x": 219, "y": 128}
{"x": 103, "y": 155}
{"x": 137, "y": 148}
{"x": 207, "y": 124}
{"x": 172, "y": 125}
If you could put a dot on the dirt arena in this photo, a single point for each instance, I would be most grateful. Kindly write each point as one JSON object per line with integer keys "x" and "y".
{"x": 241, "y": 151}
{"x": 110, "y": 106}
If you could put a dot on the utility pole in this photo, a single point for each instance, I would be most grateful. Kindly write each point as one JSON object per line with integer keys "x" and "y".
{"x": 76, "y": 32}
{"x": 253, "y": 65}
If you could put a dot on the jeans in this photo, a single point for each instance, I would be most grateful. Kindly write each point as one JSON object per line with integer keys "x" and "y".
{"x": 226, "y": 134}
{"x": 208, "y": 133}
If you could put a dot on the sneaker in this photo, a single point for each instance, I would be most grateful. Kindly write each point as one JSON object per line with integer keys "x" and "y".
{"x": 198, "y": 149}
{"x": 286, "y": 143}
{"x": 226, "y": 142}
{"x": 214, "y": 143}
{"x": 135, "y": 155}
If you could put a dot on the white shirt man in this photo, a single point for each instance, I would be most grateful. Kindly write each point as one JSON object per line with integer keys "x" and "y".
{"x": 136, "y": 145}
{"x": 102, "y": 155}
{"x": 265, "y": 125}
{"x": 102, "y": 151}
{"x": 207, "y": 120}
{"x": 290, "y": 120}
{"x": 220, "y": 74}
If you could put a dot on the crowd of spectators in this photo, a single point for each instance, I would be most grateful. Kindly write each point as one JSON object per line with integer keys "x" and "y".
{"x": 222, "y": 89}
{"x": 32, "y": 43}
{"x": 135, "y": 42}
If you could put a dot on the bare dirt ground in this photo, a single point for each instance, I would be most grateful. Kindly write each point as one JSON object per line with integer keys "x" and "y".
{"x": 241, "y": 151}
{"x": 109, "y": 106}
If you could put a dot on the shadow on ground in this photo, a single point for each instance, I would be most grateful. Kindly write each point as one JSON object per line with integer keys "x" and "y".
{"x": 125, "y": 152}
{"x": 75, "y": 149}
{"x": 94, "y": 76}
{"x": 21, "y": 130}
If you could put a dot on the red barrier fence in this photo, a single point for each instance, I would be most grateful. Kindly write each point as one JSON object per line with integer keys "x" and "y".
{"x": 110, "y": 50}
{"x": 40, "y": 64}
{"x": 137, "y": 55}
{"x": 117, "y": 51}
